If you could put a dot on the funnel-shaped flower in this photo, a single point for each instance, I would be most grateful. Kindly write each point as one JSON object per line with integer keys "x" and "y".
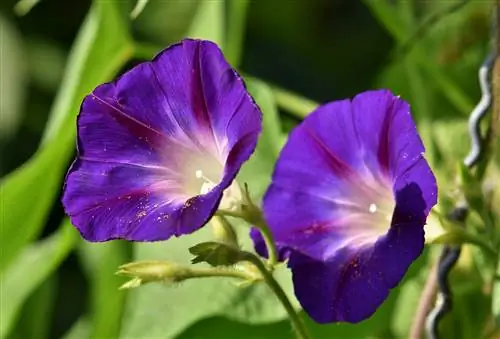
{"x": 159, "y": 147}
{"x": 349, "y": 198}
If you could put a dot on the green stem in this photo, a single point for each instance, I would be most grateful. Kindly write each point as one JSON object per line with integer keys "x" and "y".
{"x": 261, "y": 224}
{"x": 297, "y": 323}
{"x": 214, "y": 272}
{"x": 293, "y": 103}
{"x": 253, "y": 216}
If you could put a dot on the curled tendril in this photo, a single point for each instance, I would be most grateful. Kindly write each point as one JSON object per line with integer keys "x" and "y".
{"x": 479, "y": 112}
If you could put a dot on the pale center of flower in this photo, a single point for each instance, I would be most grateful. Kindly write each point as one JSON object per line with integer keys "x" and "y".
{"x": 367, "y": 214}
{"x": 207, "y": 185}
{"x": 232, "y": 196}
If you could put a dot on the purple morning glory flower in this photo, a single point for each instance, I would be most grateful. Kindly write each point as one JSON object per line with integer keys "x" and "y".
{"x": 159, "y": 147}
{"x": 350, "y": 195}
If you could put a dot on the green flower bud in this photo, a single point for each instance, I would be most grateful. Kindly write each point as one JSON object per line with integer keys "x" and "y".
{"x": 143, "y": 272}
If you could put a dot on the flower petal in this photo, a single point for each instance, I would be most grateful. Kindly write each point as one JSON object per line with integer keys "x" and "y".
{"x": 354, "y": 282}
{"x": 358, "y": 150}
{"x": 160, "y": 134}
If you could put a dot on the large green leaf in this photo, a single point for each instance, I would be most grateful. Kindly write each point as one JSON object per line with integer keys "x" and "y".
{"x": 235, "y": 33}
{"x": 208, "y": 23}
{"x": 81, "y": 329}
{"x": 28, "y": 193}
{"x": 13, "y": 78}
{"x": 30, "y": 269}
{"x": 163, "y": 22}
{"x": 107, "y": 302}
{"x": 35, "y": 318}
{"x": 155, "y": 310}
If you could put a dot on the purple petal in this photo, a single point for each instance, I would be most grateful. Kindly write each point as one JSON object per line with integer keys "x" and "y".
{"x": 354, "y": 282}
{"x": 158, "y": 146}
{"x": 355, "y": 198}
{"x": 351, "y": 186}
{"x": 261, "y": 249}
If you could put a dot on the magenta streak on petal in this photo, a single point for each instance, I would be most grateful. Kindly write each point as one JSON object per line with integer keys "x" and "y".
{"x": 339, "y": 167}
{"x": 136, "y": 127}
{"x": 141, "y": 191}
{"x": 173, "y": 119}
{"x": 198, "y": 100}
{"x": 383, "y": 148}
{"x": 343, "y": 170}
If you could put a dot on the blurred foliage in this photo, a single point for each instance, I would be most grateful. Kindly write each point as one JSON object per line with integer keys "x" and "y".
{"x": 55, "y": 285}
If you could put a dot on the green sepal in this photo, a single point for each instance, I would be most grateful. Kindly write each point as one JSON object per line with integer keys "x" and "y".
{"x": 216, "y": 254}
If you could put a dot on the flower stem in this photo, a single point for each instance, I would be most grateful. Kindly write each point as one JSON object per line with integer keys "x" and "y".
{"x": 297, "y": 323}
{"x": 293, "y": 103}
{"x": 253, "y": 216}
{"x": 268, "y": 240}
{"x": 213, "y": 272}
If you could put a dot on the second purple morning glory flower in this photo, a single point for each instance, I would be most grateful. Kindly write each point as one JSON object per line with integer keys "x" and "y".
{"x": 348, "y": 201}
{"x": 159, "y": 147}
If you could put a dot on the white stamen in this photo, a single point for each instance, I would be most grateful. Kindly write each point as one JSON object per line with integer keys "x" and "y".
{"x": 232, "y": 196}
{"x": 372, "y": 208}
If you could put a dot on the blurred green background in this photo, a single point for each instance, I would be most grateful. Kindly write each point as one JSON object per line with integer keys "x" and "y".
{"x": 54, "y": 285}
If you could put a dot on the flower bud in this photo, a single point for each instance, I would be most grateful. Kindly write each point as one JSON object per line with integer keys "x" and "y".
{"x": 143, "y": 272}
{"x": 223, "y": 231}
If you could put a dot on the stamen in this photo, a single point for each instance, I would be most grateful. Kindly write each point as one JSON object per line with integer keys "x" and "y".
{"x": 372, "y": 208}
{"x": 231, "y": 199}
{"x": 207, "y": 183}
{"x": 199, "y": 174}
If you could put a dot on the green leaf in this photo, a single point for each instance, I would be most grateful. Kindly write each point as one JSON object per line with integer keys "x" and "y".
{"x": 24, "y": 6}
{"x": 164, "y": 22}
{"x": 264, "y": 97}
{"x": 34, "y": 264}
{"x": 36, "y": 314}
{"x": 215, "y": 254}
{"x": 293, "y": 103}
{"x": 100, "y": 50}
{"x": 235, "y": 32}
{"x": 155, "y": 310}
{"x": 107, "y": 302}
{"x": 46, "y": 60}
{"x": 459, "y": 236}
{"x": 261, "y": 164}
{"x": 208, "y": 22}
{"x": 471, "y": 311}
{"x": 13, "y": 79}
{"x": 80, "y": 330}
{"x": 410, "y": 294}
{"x": 139, "y": 7}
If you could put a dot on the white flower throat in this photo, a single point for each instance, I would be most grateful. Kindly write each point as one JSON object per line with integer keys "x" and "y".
{"x": 232, "y": 196}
